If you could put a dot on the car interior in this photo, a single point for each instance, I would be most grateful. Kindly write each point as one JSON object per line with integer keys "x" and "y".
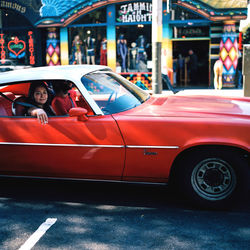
{"x": 13, "y": 99}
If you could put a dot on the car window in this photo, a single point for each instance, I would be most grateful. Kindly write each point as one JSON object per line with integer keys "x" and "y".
{"x": 13, "y": 97}
{"x": 113, "y": 94}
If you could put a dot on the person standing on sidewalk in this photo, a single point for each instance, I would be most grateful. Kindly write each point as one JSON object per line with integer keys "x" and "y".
{"x": 218, "y": 70}
{"x": 193, "y": 66}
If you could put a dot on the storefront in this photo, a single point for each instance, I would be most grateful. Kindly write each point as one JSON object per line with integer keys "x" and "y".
{"x": 117, "y": 33}
{"x": 20, "y": 40}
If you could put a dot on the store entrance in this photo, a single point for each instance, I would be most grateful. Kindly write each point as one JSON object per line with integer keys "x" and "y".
{"x": 186, "y": 74}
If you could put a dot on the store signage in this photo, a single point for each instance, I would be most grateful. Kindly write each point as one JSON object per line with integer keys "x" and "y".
{"x": 193, "y": 32}
{"x": 13, "y": 6}
{"x": 135, "y": 12}
{"x": 31, "y": 48}
{"x": 3, "y": 54}
{"x": 16, "y": 47}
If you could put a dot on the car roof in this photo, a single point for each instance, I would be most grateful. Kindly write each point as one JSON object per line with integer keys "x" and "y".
{"x": 65, "y": 72}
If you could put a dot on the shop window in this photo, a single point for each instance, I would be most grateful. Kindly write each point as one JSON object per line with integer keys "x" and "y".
{"x": 18, "y": 46}
{"x": 133, "y": 48}
{"x": 17, "y": 41}
{"x": 87, "y": 45}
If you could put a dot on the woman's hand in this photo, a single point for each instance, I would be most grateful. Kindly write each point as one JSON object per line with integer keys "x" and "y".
{"x": 41, "y": 115}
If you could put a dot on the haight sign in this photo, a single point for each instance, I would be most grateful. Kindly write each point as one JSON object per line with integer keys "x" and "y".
{"x": 134, "y": 12}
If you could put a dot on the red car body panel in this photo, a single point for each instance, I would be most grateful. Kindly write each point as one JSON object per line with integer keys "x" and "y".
{"x": 64, "y": 141}
{"x": 178, "y": 123}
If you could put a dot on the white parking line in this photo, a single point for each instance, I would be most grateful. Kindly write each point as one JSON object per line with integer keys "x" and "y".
{"x": 35, "y": 237}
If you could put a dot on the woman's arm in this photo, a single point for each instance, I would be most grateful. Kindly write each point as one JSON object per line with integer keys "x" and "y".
{"x": 40, "y": 114}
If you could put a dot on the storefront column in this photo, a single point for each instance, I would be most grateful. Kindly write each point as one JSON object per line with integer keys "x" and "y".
{"x": 52, "y": 48}
{"x": 229, "y": 53}
{"x": 64, "y": 47}
{"x": 167, "y": 48}
{"x": 111, "y": 37}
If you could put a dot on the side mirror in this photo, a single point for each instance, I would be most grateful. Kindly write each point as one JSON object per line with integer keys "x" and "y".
{"x": 80, "y": 113}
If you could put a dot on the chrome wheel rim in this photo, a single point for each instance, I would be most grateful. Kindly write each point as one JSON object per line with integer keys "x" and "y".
{"x": 213, "y": 179}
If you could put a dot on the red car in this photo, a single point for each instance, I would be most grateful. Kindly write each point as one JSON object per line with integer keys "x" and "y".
{"x": 118, "y": 132}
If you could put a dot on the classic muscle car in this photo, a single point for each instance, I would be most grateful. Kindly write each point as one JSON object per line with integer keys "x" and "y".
{"x": 118, "y": 132}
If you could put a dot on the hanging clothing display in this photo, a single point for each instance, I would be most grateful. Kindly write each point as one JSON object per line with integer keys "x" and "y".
{"x": 122, "y": 51}
{"x": 103, "y": 52}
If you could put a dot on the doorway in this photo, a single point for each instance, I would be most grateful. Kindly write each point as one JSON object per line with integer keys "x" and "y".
{"x": 182, "y": 66}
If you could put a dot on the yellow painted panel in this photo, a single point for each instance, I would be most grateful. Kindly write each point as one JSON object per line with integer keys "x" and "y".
{"x": 64, "y": 51}
{"x": 111, "y": 54}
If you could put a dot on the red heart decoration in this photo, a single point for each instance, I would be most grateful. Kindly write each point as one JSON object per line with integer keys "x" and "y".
{"x": 16, "y": 41}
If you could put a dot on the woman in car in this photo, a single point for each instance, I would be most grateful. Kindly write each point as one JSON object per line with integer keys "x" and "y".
{"x": 39, "y": 100}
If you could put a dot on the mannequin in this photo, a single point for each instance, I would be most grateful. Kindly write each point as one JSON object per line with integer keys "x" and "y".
{"x": 103, "y": 52}
{"x": 133, "y": 55}
{"x": 77, "y": 48}
{"x": 122, "y": 50}
{"x": 141, "y": 45}
{"x": 90, "y": 45}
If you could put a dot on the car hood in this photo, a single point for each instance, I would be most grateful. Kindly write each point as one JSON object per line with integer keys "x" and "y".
{"x": 193, "y": 106}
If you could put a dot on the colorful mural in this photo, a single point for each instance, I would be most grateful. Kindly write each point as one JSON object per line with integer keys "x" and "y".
{"x": 214, "y": 10}
{"x": 63, "y": 12}
{"x": 52, "y": 48}
{"x": 142, "y": 80}
{"x": 229, "y": 54}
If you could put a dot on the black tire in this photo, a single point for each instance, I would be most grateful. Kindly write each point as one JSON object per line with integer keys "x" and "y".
{"x": 213, "y": 178}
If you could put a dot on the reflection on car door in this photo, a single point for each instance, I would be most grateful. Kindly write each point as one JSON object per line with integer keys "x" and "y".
{"x": 64, "y": 148}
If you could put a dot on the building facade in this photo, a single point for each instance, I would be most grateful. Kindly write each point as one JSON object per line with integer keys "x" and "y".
{"x": 117, "y": 33}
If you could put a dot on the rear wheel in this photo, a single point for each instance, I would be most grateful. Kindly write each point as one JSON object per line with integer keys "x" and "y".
{"x": 212, "y": 179}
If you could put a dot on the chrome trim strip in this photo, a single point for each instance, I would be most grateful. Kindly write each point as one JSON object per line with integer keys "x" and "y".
{"x": 84, "y": 180}
{"x": 86, "y": 145}
{"x": 61, "y": 145}
{"x": 157, "y": 147}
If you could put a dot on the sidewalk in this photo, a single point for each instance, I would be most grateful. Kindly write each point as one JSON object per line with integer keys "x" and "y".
{"x": 213, "y": 92}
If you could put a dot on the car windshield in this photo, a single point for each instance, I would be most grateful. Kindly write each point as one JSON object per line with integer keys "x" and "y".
{"x": 113, "y": 93}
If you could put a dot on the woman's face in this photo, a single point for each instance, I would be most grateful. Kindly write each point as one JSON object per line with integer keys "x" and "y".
{"x": 40, "y": 95}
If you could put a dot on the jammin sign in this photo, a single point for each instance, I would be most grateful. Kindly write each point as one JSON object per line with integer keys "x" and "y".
{"x": 135, "y": 12}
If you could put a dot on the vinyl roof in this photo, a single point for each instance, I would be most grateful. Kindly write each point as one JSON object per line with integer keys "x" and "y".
{"x": 69, "y": 72}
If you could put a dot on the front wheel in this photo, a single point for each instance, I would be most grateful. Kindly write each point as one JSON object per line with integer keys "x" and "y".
{"x": 212, "y": 179}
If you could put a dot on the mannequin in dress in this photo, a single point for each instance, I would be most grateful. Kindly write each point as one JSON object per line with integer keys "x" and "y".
{"x": 77, "y": 48}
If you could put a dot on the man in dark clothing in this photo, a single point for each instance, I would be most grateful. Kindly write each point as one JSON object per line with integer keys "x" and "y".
{"x": 193, "y": 67}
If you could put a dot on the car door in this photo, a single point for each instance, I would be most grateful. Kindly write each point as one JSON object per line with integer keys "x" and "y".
{"x": 63, "y": 148}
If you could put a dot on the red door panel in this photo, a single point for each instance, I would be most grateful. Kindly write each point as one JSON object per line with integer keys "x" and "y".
{"x": 65, "y": 147}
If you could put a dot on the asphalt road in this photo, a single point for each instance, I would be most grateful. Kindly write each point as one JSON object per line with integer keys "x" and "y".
{"x": 113, "y": 216}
